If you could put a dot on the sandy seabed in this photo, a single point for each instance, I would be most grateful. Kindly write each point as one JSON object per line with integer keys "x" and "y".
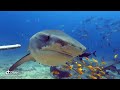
{"x": 28, "y": 70}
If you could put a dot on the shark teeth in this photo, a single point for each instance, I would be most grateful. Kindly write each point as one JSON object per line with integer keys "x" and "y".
{"x": 49, "y": 46}
{"x": 45, "y": 46}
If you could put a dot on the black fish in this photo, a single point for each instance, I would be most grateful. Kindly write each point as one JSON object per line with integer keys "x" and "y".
{"x": 87, "y": 54}
{"x": 118, "y": 71}
{"x": 61, "y": 74}
{"x": 109, "y": 44}
{"x": 116, "y": 50}
{"x": 112, "y": 67}
{"x": 89, "y": 19}
{"x": 103, "y": 59}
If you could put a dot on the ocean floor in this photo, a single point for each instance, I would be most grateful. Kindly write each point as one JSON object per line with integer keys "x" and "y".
{"x": 28, "y": 70}
{"x": 34, "y": 70}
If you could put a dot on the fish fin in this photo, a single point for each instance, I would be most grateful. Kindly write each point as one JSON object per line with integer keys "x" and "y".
{"x": 94, "y": 53}
{"x": 26, "y": 58}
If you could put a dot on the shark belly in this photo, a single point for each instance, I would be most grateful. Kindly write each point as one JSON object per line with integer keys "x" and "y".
{"x": 51, "y": 58}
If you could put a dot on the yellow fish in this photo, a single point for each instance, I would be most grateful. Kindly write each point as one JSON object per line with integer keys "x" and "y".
{"x": 80, "y": 71}
{"x": 70, "y": 75}
{"x": 99, "y": 75}
{"x": 94, "y": 60}
{"x": 103, "y": 62}
{"x": 79, "y": 65}
{"x": 115, "y": 56}
{"x": 70, "y": 67}
{"x": 79, "y": 77}
{"x": 55, "y": 72}
{"x": 76, "y": 62}
{"x": 92, "y": 77}
{"x": 87, "y": 58}
{"x": 83, "y": 62}
{"x": 91, "y": 68}
{"x": 102, "y": 72}
{"x": 98, "y": 68}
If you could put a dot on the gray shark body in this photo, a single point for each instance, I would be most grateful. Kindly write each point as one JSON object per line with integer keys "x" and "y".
{"x": 52, "y": 48}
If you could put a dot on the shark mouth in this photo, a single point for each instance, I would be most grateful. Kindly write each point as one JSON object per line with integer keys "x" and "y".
{"x": 56, "y": 48}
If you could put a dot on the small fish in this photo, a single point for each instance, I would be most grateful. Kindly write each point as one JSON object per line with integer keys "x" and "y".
{"x": 92, "y": 77}
{"x": 102, "y": 72}
{"x": 111, "y": 67}
{"x": 70, "y": 75}
{"x": 94, "y": 60}
{"x": 91, "y": 68}
{"x": 79, "y": 65}
{"x": 86, "y": 58}
{"x": 80, "y": 71}
{"x": 55, "y": 72}
{"x": 76, "y": 62}
{"x": 102, "y": 67}
{"x": 83, "y": 62}
{"x": 98, "y": 68}
{"x": 118, "y": 71}
{"x": 103, "y": 59}
{"x": 103, "y": 63}
{"x": 116, "y": 50}
{"x": 91, "y": 62}
{"x": 87, "y": 54}
{"x": 70, "y": 67}
{"x": 99, "y": 75}
{"x": 59, "y": 73}
{"x": 115, "y": 56}
{"x": 92, "y": 73}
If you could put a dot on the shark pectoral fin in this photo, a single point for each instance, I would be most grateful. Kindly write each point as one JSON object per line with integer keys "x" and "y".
{"x": 26, "y": 58}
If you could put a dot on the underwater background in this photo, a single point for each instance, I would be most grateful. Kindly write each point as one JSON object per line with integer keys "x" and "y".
{"x": 97, "y": 30}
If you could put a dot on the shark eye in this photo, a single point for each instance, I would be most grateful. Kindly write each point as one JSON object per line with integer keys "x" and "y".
{"x": 45, "y": 37}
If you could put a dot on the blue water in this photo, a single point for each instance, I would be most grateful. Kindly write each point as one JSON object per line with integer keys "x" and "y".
{"x": 19, "y": 26}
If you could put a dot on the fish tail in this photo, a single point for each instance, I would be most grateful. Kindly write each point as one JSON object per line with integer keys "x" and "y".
{"x": 94, "y": 53}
